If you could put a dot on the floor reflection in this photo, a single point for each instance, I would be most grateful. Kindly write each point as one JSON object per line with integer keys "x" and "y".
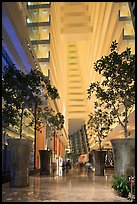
{"x": 71, "y": 186}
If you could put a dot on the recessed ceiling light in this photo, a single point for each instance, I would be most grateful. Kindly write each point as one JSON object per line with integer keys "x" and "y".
{"x": 44, "y": 29}
{"x": 34, "y": 29}
{"x": 28, "y": 20}
{"x": 44, "y": 65}
{"x": 44, "y": 11}
{"x": 132, "y": 41}
{"x": 35, "y": 12}
{"x": 44, "y": 47}
{"x": 34, "y": 47}
{"x": 124, "y": 5}
{"x": 128, "y": 23}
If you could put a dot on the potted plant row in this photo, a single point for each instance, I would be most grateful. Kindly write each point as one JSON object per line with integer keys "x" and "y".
{"x": 22, "y": 98}
{"x": 54, "y": 122}
{"x": 99, "y": 124}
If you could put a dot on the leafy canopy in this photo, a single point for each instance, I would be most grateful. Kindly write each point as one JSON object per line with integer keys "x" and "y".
{"x": 25, "y": 95}
{"x": 117, "y": 88}
{"x": 100, "y": 124}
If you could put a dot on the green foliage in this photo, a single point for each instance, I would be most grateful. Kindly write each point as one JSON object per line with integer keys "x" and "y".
{"x": 117, "y": 89}
{"x": 15, "y": 96}
{"x": 40, "y": 86}
{"x": 100, "y": 124}
{"x": 41, "y": 90}
{"x": 54, "y": 120}
{"x": 121, "y": 185}
{"x": 23, "y": 94}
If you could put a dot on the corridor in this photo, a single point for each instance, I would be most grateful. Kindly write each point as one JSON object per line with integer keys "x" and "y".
{"x": 74, "y": 186}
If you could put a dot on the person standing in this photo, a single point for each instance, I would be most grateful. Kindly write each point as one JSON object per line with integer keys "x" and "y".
{"x": 68, "y": 165}
{"x": 54, "y": 168}
{"x": 87, "y": 167}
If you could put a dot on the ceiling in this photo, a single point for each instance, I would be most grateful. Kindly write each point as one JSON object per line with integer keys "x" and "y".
{"x": 87, "y": 29}
{"x": 76, "y": 32}
{"x": 73, "y": 36}
{"x": 81, "y": 33}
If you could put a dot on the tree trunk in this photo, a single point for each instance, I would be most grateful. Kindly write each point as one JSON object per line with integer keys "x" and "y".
{"x": 21, "y": 119}
{"x": 99, "y": 162}
{"x": 35, "y": 134}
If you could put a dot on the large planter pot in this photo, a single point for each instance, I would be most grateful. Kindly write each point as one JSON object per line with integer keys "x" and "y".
{"x": 123, "y": 194}
{"x": 19, "y": 161}
{"x": 124, "y": 156}
{"x": 45, "y": 162}
{"x": 99, "y": 157}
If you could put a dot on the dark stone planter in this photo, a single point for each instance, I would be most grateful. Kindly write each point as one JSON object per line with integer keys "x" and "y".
{"x": 123, "y": 194}
{"x": 99, "y": 157}
{"x": 19, "y": 161}
{"x": 45, "y": 162}
{"x": 124, "y": 156}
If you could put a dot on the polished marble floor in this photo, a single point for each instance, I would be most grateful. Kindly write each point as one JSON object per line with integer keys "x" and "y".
{"x": 74, "y": 186}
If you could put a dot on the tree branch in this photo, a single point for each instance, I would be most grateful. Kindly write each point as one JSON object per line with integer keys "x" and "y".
{"x": 118, "y": 117}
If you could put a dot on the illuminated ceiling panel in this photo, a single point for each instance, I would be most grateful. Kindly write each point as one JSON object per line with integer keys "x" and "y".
{"x": 87, "y": 29}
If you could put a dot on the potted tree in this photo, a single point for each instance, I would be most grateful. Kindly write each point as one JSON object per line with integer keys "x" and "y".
{"x": 100, "y": 125}
{"x": 22, "y": 97}
{"x": 54, "y": 122}
{"x": 117, "y": 92}
{"x": 41, "y": 90}
{"x": 16, "y": 101}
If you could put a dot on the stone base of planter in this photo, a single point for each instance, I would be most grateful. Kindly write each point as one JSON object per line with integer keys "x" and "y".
{"x": 45, "y": 162}
{"x": 124, "y": 156}
{"x": 122, "y": 194}
{"x": 19, "y": 161}
{"x": 99, "y": 162}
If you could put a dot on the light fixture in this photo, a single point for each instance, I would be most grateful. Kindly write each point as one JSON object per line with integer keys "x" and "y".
{"x": 44, "y": 65}
{"x": 44, "y": 29}
{"x": 35, "y": 12}
{"x": 132, "y": 42}
{"x": 124, "y": 5}
{"x": 44, "y": 11}
{"x": 35, "y": 47}
{"x": 44, "y": 47}
{"x": 128, "y": 23}
{"x": 28, "y": 20}
{"x": 35, "y": 30}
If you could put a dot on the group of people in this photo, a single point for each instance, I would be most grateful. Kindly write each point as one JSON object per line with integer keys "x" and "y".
{"x": 66, "y": 165}
{"x": 87, "y": 167}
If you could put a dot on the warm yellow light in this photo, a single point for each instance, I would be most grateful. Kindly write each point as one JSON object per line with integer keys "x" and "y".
{"x": 28, "y": 20}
